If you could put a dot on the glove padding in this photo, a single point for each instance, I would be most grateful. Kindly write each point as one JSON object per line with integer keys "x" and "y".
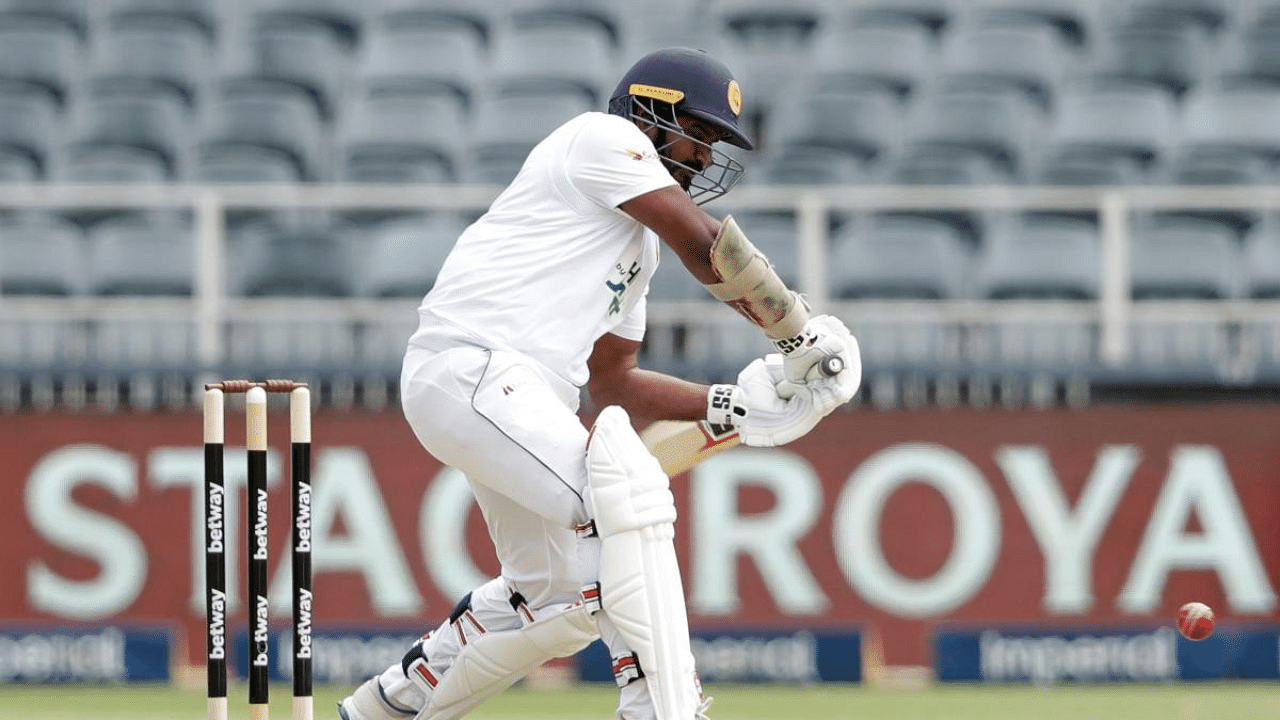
{"x": 823, "y": 336}
{"x": 763, "y": 417}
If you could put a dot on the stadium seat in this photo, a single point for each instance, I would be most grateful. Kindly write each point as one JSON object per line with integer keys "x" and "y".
{"x": 863, "y": 125}
{"x": 899, "y": 57}
{"x": 1074, "y": 20}
{"x": 75, "y": 14}
{"x": 1183, "y": 258}
{"x": 899, "y": 258}
{"x": 1250, "y": 54}
{"x": 1225, "y": 168}
{"x": 133, "y": 257}
{"x": 507, "y": 127}
{"x": 302, "y": 52}
{"x": 40, "y": 51}
{"x": 40, "y": 255}
{"x": 31, "y": 125}
{"x": 998, "y": 124}
{"x": 156, "y": 49}
{"x": 260, "y": 113}
{"x": 762, "y": 20}
{"x": 123, "y": 113}
{"x": 410, "y": 130}
{"x": 1172, "y": 57}
{"x": 246, "y": 165}
{"x": 1261, "y": 263}
{"x": 343, "y": 18}
{"x": 105, "y": 163}
{"x": 558, "y": 58}
{"x": 1228, "y": 137}
{"x": 1206, "y": 15}
{"x": 937, "y": 165}
{"x": 291, "y": 262}
{"x": 1237, "y": 120}
{"x": 17, "y": 166}
{"x": 1029, "y": 58}
{"x": 136, "y": 168}
{"x": 587, "y": 16}
{"x": 405, "y": 254}
{"x": 1032, "y": 258}
{"x": 1113, "y": 128}
{"x": 206, "y": 16}
{"x": 422, "y": 57}
{"x": 932, "y": 15}
{"x": 456, "y": 14}
{"x": 802, "y": 164}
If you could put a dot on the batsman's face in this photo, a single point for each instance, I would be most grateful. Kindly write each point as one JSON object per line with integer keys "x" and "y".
{"x": 690, "y": 153}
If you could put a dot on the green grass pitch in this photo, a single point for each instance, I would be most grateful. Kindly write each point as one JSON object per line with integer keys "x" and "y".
{"x": 1207, "y": 701}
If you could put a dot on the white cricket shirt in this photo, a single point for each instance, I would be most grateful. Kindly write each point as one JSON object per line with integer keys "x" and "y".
{"x": 554, "y": 264}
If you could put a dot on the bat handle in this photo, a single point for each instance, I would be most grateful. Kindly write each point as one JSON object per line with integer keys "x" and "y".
{"x": 831, "y": 365}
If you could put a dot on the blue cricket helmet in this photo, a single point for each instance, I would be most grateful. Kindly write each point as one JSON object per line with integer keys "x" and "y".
{"x": 692, "y": 82}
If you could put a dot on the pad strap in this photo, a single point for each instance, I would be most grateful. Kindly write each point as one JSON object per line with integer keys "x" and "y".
{"x": 490, "y": 662}
{"x": 626, "y": 669}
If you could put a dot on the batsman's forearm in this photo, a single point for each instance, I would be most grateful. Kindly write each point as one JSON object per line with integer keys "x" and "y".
{"x": 655, "y": 396}
{"x": 749, "y": 284}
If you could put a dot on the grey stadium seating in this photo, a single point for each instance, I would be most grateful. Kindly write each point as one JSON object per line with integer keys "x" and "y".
{"x": 167, "y": 51}
{"x": 897, "y": 257}
{"x": 135, "y": 256}
{"x": 41, "y": 254}
{"x": 40, "y": 51}
{"x": 405, "y": 254}
{"x": 914, "y": 92}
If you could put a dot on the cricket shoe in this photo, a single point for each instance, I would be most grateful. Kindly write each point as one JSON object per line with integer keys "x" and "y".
{"x": 369, "y": 702}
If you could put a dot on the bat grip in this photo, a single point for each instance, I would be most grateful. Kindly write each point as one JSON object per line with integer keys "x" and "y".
{"x": 831, "y": 365}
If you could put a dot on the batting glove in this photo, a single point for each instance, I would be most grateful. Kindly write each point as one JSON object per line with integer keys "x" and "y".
{"x": 823, "y": 336}
{"x": 762, "y": 417}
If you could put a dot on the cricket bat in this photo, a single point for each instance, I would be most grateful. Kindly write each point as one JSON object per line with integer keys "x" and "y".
{"x": 681, "y": 444}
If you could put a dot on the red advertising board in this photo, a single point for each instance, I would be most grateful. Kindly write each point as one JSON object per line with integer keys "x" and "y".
{"x": 891, "y": 522}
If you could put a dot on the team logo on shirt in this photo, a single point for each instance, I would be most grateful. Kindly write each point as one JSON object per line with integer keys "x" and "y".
{"x": 618, "y": 282}
{"x": 637, "y": 155}
{"x": 622, "y": 276}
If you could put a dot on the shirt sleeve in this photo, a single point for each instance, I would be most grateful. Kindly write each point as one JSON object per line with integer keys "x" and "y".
{"x": 632, "y": 326}
{"x": 611, "y": 161}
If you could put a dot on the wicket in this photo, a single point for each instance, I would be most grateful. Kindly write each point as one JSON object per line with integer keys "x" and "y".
{"x": 257, "y": 544}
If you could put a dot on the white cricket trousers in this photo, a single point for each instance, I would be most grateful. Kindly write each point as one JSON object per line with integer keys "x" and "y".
{"x": 514, "y": 432}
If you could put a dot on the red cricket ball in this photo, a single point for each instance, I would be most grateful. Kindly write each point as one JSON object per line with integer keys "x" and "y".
{"x": 1195, "y": 621}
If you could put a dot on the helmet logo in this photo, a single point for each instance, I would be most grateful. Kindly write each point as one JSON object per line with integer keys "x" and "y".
{"x": 735, "y": 97}
{"x": 666, "y": 95}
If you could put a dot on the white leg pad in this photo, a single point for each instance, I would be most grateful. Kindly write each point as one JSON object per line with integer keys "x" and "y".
{"x": 640, "y": 587}
{"x": 493, "y": 661}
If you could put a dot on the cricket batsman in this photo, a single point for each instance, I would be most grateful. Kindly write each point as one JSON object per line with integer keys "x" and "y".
{"x": 545, "y": 295}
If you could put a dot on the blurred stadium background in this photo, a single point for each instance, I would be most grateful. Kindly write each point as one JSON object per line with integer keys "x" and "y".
{"x": 1054, "y": 226}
